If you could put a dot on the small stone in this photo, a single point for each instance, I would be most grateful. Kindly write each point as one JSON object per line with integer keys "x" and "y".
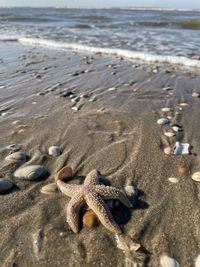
{"x": 162, "y": 121}
{"x": 5, "y": 185}
{"x": 166, "y": 261}
{"x": 196, "y": 176}
{"x": 49, "y": 189}
{"x": 166, "y": 109}
{"x": 112, "y": 89}
{"x": 90, "y": 219}
{"x": 15, "y": 122}
{"x": 167, "y": 150}
{"x": 55, "y": 151}
{"x": 75, "y": 108}
{"x": 173, "y": 180}
{"x": 64, "y": 173}
{"x": 195, "y": 94}
{"x": 183, "y": 170}
{"x": 31, "y": 173}
{"x": 17, "y": 156}
{"x": 169, "y": 134}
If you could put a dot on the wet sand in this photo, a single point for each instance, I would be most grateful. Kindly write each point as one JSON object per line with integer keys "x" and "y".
{"x": 114, "y": 130}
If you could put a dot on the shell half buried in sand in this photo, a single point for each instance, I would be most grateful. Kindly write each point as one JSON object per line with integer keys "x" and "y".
{"x": 196, "y": 177}
{"x": 166, "y": 261}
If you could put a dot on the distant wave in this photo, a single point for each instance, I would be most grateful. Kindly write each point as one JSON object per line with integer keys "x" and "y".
{"x": 179, "y": 60}
{"x": 161, "y": 9}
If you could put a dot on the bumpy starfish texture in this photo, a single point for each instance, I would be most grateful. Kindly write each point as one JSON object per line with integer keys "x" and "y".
{"x": 92, "y": 194}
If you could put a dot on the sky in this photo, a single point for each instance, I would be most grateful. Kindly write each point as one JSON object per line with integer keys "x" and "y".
{"x": 104, "y": 3}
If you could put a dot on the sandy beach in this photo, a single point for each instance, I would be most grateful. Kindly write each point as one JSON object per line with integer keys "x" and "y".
{"x": 102, "y": 112}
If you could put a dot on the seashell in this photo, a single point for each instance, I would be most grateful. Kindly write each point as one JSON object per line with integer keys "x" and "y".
{"x": 168, "y": 88}
{"x": 15, "y": 122}
{"x": 75, "y": 108}
{"x": 126, "y": 244}
{"x": 173, "y": 180}
{"x": 65, "y": 172}
{"x": 130, "y": 190}
{"x": 181, "y": 148}
{"x": 177, "y": 128}
{"x": 112, "y": 89}
{"x": 166, "y": 109}
{"x": 184, "y": 104}
{"x": 166, "y": 261}
{"x": 167, "y": 150}
{"x": 195, "y": 94}
{"x": 49, "y": 189}
{"x": 197, "y": 261}
{"x": 31, "y": 173}
{"x": 90, "y": 219}
{"x": 55, "y": 151}
{"x": 93, "y": 98}
{"x": 196, "y": 176}
{"x": 183, "y": 170}
{"x": 169, "y": 134}
{"x": 21, "y": 131}
{"x": 162, "y": 121}
{"x": 5, "y": 185}
{"x": 17, "y": 156}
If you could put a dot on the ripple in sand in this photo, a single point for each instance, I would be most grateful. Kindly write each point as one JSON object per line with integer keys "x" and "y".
{"x": 166, "y": 261}
{"x": 31, "y": 173}
{"x": 55, "y": 151}
{"x": 196, "y": 177}
{"x": 5, "y": 185}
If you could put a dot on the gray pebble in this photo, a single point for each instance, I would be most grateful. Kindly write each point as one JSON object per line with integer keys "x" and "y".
{"x": 17, "y": 156}
{"x": 5, "y": 185}
{"x": 55, "y": 151}
{"x": 31, "y": 173}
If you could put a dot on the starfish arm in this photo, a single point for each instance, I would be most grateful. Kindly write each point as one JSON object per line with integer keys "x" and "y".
{"x": 91, "y": 178}
{"x": 68, "y": 189}
{"x": 95, "y": 202}
{"x": 73, "y": 210}
{"x": 110, "y": 192}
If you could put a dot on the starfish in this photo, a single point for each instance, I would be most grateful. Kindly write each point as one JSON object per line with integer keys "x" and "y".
{"x": 92, "y": 194}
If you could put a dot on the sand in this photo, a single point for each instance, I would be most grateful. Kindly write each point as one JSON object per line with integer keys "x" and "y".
{"x": 117, "y": 134}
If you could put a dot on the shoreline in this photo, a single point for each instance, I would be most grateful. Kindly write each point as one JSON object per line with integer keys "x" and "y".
{"x": 110, "y": 124}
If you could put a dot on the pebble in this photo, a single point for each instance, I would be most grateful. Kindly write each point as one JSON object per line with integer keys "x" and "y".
{"x": 166, "y": 109}
{"x": 65, "y": 172}
{"x": 112, "y": 89}
{"x": 166, "y": 261}
{"x": 75, "y": 108}
{"x": 196, "y": 176}
{"x": 15, "y": 122}
{"x": 169, "y": 134}
{"x": 195, "y": 94}
{"x": 162, "y": 121}
{"x": 90, "y": 219}
{"x": 183, "y": 104}
{"x": 173, "y": 180}
{"x": 5, "y": 185}
{"x": 49, "y": 189}
{"x": 17, "y": 156}
{"x": 31, "y": 173}
{"x": 55, "y": 151}
{"x": 183, "y": 170}
{"x": 181, "y": 148}
{"x": 167, "y": 150}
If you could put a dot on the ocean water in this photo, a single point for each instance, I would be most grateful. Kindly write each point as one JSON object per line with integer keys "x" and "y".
{"x": 151, "y": 35}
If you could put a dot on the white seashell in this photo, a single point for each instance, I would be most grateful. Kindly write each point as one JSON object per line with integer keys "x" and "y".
{"x": 55, "y": 151}
{"x": 17, "y": 156}
{"x": 75, "y": 108}
{"x": 31, "y": 173}
{"x": 130, "y": 190}
{"x": 177, "y": 128}
{"x": 196, "y": 176}
{"x": 197, "y": 261}
{"x": 166, "y": 261}
{"x": 15, "y": 122}
{"x": 112, "y": 89}
{"x": 162, "y": 121}
{"x": 49, "y": 189}
{"x": 166, "y": 109}
{"x": 181, "y": 148}
{"x": 183, "y": 104}
{"x": 195, "y": 94}
{"x": 5, "y": 185}
{"x": 169, "y": 134}
{"x": 173, "y": 180}
{"x": 93, "y": 98}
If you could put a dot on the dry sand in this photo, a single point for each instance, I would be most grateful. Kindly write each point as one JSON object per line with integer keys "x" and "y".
{"x": 117, "y": 134}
